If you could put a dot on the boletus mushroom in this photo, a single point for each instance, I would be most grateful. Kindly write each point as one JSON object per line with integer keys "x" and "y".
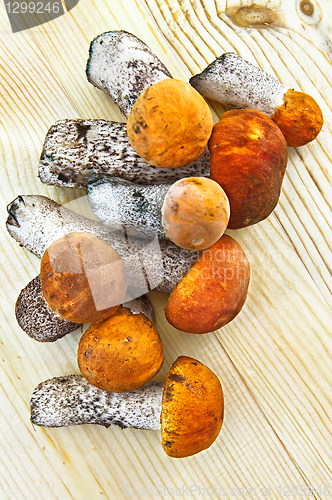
{"x": 169, "y": 123}
{"x": 236, "y": 83}
{"x": 193, "y": 212}
{"x": 189, "y": 409}
{"x": 213, "y": 291}
{"x": 121, "y": 353}
{"x": 83, "y": 279}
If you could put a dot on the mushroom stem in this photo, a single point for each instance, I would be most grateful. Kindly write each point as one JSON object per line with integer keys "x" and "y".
{"x": 119, "y": 203}
{"x": 71, "y": 400}
{"x": 37, "y": 319}
{"x": 75, "y": 149}
{"x": 233, "y": 81}
{"x": 123, "y": 66}
{"x": 36, "y": 221}
{"x": 192, "y": 212}
{"x": 236, "y": 83}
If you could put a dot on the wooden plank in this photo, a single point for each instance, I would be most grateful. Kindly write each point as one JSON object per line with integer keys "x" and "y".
{"x": 273, "y": 359}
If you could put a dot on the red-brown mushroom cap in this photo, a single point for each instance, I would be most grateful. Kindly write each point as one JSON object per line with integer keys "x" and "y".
{"x": 170, "y": 124}
{"x": 192, "y": 408}
{"x": 213, "y": 291}
{"x": 195, "y": 213}
{"x": 121, "y": 353}
{"x": 83, "y": 278}
{"x": 248, "y": 160}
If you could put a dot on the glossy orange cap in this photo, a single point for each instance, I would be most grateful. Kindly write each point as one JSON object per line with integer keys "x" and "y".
{"x": 83, "y": 279}
{"x": 170, "y": 124}
{"x": 192, "y": 408}
{"x": 121, "y": 353}
{"x": 213, "y": 291}
{"x": 299, "y": 118}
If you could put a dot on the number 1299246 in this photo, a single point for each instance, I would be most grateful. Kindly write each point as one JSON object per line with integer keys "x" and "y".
{"x": 32, "y": 7}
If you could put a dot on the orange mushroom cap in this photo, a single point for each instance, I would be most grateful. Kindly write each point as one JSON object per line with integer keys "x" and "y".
{"x": 195, "y": 213}
{"x": 170, "y": 124}
{"x": 213, "y": 291}
{"x": 192, "y": 408}
{"x": 299, "y": 118}
{"x": 121, "y": 353}
{"x": 83, "y": 278}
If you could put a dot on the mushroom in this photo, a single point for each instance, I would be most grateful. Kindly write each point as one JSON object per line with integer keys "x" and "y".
{"x": 213, "y": 291}
{"x": 193, "y": 212}
{"x": 123, "y": 66}
{"x": 188, "y": 410}
{"x": 248, "y": 160}
{"x": 236, "y": 83}
{"x": 83, "y": 279}
{"x": 121, "y": 353}
{"x": 37, "y": 221}
{"x": 75, "y": 149}
{"x": 169, "y": 123}
{"x": 37, "y": 319}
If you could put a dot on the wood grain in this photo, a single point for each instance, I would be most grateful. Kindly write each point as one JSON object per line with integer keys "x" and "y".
{"x": 273, "y": 359}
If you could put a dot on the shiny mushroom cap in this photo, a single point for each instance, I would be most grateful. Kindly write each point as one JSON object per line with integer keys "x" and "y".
{"x": 192, "y": 408}
{"x": 170, "y": 124}
{"x": 195, "y": 213}
{"x": 83, "y": 278}
{"x": 121, "y": 353}
{"x": 213, "y": 291}
{"x": 299, "y": 118}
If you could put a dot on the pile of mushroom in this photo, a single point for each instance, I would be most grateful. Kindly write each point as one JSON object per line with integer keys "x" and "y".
{"x": 168, "y": 175}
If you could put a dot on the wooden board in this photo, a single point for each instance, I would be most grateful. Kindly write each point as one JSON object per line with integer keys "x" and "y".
{"x": 274, "y": 359}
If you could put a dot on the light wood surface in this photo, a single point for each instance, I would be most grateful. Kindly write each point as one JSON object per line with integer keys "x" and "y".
{"x": 274, "y": 359}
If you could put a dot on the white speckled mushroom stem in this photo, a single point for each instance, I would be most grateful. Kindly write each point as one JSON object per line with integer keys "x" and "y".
{"x": 75, "y": 149}
{"x": 236, "y": 83}
{"x": 123, "y": 66}
{"x": 117, "y": 202}
{"x": 71, "y": 400}
{"x": 36, "y": 222}
{"x": 37, "y": 319}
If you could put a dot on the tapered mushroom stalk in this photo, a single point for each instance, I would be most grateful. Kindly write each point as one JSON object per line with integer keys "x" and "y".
{"x": 75, "y": 149}
{"x": 71, "y": 400}
{"x": 189, "y": 409}
{"x": 192, "y": 212}
{"x": 236, "y": 83}
{"x": 123, "y": 66}
{"x": 169, "y": 123}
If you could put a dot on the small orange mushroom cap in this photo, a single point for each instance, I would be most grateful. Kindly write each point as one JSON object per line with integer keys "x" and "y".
{"x": 299, "y": 118}
{"x": 83, "y": 279}
{"x": 213, "y": 291}
{"x": 121, "y": 353}
{"x": 195, "y": 213}
{"x": 170, "y": 124}
{"x": 192, "y": 408}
